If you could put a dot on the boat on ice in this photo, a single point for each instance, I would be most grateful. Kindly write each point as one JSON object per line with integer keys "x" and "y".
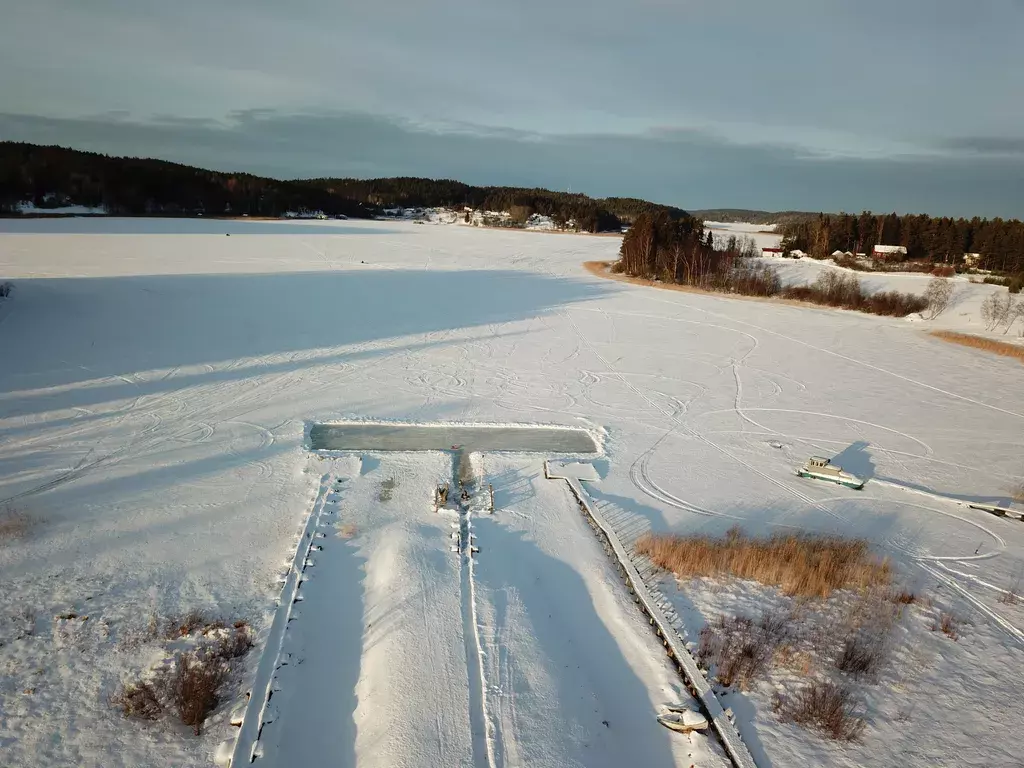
{"x": 683, "y": 720}
{"x": 820, "y": 468}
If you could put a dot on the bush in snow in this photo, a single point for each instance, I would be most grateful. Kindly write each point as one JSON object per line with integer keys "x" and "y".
{"x": 949, "y": 625}
{"x": 5, "y": 289}
{"x": 139, "y": 700}
{"x": 190, "y": 685}
{"x": 826, "y": 707}
{"x": 740, "y": 648}
{"x": 863, "y": 653}
{"x": 193, "y": 688}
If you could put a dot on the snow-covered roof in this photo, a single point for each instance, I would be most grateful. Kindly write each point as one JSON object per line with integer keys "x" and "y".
{"x": 890, "y": 249}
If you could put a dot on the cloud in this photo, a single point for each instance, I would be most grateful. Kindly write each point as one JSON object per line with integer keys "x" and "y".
{"x": 692, "y": 168}
{"x": 986, "y": 145}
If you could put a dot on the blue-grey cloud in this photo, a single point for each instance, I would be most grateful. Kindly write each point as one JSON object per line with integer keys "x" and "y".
{"x": 895, "y": 89}
{"x": 691, "y": 168}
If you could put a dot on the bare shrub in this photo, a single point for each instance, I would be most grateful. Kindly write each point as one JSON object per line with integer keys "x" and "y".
{"x": 989, "y": 345}
{"x": 14, "y": 524}
{"x": 1012, "y": 596}
{"x": 5, "y": 290}
{"x": 944, "y": 270}
{"x": 193, "y": 688}
{"x": 1014, "y": 311}
{"x": 741, "y": 649}
{"x": 903, "y": 597}
{"x": 996, "y": 309}
{"x": 949, "y": 625}
{"x": 234, "y": 644}
{"x": 863, "y": 654}
{"x": 190, "y": 687}
{"x": 803, "y": 564}
{"x": 826, "y": 707}
{"x": 938, "y": 294}
{"x": 752, "y": 279}
{"x": 183, "y": 626}
{"x": 138, "y": 700}
{"x": 834, "y": 289}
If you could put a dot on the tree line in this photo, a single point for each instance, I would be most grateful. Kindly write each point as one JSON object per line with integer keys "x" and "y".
{"x": 50, "y": 177}
{"x": 680, "y": 252}
{"x": 54, "y": 176}
{"x": 566, "y": 209}
{"x": 939, "y": 239}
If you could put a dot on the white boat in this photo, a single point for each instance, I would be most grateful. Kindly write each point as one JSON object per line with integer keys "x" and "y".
{"x": 822, "y": 469}
{"x": 683, "y": 720}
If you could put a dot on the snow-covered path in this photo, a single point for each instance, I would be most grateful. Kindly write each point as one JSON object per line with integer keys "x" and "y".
{"x": 158, "y": 378}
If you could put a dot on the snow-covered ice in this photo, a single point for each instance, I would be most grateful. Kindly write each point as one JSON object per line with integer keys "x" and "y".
{"x": 156, "y": 387}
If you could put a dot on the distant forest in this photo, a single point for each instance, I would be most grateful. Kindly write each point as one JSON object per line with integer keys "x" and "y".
{"x": 746, "y": 215}
{"x": 589, "y": 214}
{"x": 1000, "y": 242}
{"x": 51, "y": 177}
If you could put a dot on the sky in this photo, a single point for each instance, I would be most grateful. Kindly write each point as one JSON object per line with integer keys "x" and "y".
{"x": 905, "y": 105}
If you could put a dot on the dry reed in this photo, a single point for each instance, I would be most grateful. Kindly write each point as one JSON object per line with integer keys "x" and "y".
{"x": 1003, "y": 348}
{"x": 807, "y": 565}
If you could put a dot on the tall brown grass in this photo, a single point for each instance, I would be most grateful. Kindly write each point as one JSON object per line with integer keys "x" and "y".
{"x": 989, "y": 345}
{"x": 807, "y": 565}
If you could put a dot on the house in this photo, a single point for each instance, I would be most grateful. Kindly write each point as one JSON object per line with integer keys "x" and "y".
{"x": 773, "y": 252}
{"x": 889, "y": 252}
{"x": 972, "y": 259}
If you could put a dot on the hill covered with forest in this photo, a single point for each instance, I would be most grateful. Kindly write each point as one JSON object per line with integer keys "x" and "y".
{"x": 52, "y": 177}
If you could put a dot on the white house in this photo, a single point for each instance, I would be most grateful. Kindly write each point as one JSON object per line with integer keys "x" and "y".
{"x": 886, "y": 252}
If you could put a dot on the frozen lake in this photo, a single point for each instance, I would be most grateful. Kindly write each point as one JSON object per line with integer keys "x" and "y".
{"x": 157, "y": 387}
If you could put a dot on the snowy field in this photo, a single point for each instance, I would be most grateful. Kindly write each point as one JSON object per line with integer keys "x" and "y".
{"x": 157, "y": 383}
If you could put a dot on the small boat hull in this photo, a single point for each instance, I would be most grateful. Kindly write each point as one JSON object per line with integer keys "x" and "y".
{"x": 848, "y": 481}
{"x": 683, "y": 720}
